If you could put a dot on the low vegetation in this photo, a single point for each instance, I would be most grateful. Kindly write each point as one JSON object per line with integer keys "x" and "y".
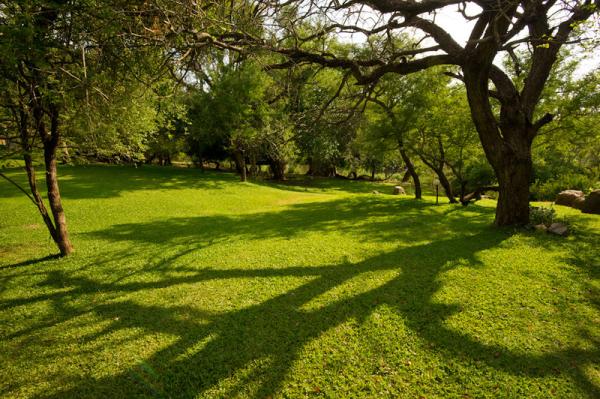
{"x": 191, "y": 284}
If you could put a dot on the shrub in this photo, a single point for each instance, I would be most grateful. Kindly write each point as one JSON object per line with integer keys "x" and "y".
{"x": 542, "y": 215}
{"x": 547, "y": 190}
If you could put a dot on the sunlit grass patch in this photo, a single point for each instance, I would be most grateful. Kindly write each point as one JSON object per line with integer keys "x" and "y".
{"x": 191, "y": 284}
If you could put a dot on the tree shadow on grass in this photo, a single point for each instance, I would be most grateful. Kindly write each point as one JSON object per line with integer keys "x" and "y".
{"x": 270, "y": 336}
{"x": 377, "y": 220}
{"x": 83, "y": 182}
{"x": 277, "y": 329}
{"x": 30, "y": 262}
{"x": 302, "y": 183}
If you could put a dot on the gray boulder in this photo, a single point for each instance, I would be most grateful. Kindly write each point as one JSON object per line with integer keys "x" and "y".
{"x": 568, "y": 197}
{"x": 559, "y": 229}
{"x": 399, "y": 190}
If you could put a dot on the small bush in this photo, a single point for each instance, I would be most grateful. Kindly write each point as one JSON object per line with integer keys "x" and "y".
{"x": 541, "y": 215}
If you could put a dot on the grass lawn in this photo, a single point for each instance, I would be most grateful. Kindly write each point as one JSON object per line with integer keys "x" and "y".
{"x": 190, "y": 284}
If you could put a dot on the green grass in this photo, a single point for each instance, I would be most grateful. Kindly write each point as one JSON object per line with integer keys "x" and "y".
{"x": 189, "y": 284}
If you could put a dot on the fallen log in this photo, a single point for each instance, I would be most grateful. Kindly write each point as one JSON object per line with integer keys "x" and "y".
{"x": 476, "y": 195}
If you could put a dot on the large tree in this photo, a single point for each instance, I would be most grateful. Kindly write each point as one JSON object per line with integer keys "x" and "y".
{"x": 504, "y": 107}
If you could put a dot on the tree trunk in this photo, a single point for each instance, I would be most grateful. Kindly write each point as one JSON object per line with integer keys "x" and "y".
{"x": 31, "y": 178}
{"x": 413, "y": 173}
{"x": 278, "y": 169}
{"x": 513, "y": 194}
{"x": 439, "y": 172}
{"x": 240, "y": 164}
{"x": 446, "y": 185}
{"x": 253, "y": 166}
{"x": 57, "y": 226}
{"x": 463, "y": 189}
{"x": 36, "y": 195}
{"x": 51, "y": 143}
{"x": 507, "y": 144}
{"x": 60, "y": 220}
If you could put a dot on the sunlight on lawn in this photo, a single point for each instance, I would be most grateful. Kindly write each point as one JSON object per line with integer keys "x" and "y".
{"x": 212, "y": 288}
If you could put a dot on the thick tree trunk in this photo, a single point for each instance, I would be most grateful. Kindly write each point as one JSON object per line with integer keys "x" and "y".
{"x": 507, "y": 144}
{"x": 277, "y": 169}
{"x": 513, "y": 199}
{"x": 413, "y": 173}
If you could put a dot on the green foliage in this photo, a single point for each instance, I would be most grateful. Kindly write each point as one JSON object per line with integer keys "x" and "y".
{"x": 117, "y": 130}
{"x": 235, "y": 114}
{"x": 323, "y": 111}
{"x": 566, "y": 152}
{"x": 542, "y": 215}
{"x": 479, "y": 173}
{"x": 547, "y": 190}
{"x": 191, "y": 284}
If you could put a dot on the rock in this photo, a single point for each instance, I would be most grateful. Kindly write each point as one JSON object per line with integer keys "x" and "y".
{"x": 399, "y": 190}
{"x": 540, "y": 227}
{"x": 558, "y": 229}
{"x": 567, "y": 197}
{"x": 578, "y": 203}
{"x": 592, "y": 203}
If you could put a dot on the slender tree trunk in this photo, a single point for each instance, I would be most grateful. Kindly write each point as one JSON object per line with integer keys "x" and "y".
{"x": 439, "y": 172}
{"x": 54, "y": 199}
{"x": 240, "y": 164}
{"x": 413, "y": 173}
{"x": 51, "y": 143}
{"x": 57, "y": 225}
{"x": 446, "y": 186}
{"x": 29, "y": 168}
{"x": 23, "y": 119}
{"x": 463, "y": 190}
